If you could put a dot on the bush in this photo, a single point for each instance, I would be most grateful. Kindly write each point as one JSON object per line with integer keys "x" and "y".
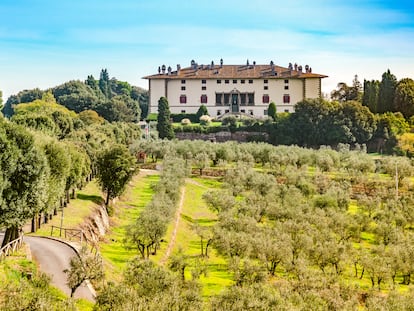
{"x": 185, "y": 121}
{"x": 205, "y": 120}
{"x": 178, "y": 117}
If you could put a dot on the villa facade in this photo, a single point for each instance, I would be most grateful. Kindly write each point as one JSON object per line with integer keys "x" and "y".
{"x": 247, "y": 88}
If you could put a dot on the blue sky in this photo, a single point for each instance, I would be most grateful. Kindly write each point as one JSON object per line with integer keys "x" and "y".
{"x": 44, "y": 43}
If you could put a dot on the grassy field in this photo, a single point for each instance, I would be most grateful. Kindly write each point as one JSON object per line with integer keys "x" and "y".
{"x": 126, "y": 210}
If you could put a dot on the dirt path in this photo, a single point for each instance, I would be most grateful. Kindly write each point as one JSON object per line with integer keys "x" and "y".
{"x": 176, "y": 225}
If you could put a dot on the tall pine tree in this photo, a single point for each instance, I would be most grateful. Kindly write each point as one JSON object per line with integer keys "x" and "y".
{"x": 164, "y": 126}
{"x": 370, "y": 96}
{"x": 386, "y": 92}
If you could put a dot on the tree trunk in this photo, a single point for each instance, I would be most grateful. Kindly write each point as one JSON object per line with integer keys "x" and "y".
{"x": 107, "y": 200}
{"x": 207, "y": 245}
{"x": 10, "y": 235}
{"x": 67, "y": 197}
{"x": 33, "y": 225}
{"x": 73, "y": 196}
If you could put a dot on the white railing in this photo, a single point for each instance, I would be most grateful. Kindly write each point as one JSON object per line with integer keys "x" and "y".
{"x": 11, "y": 247}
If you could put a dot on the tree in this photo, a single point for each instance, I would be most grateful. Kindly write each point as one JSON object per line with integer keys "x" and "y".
{"x": 116, "y": 166}
{"x": 1, "y": 100}
{"x": 76, "y": 96}
{"x": 271, "y": 111}
{"x": 387, "y": 92}
{"x": 23, "y": 186}
{"x": 404, "y": 97}
{"x": 345, "y": 92}
{"x": 104, "y": 84}
{"x": 370, "y": 95}
{"x": 164, "y": 126}
{"x": 25, "y": 96}
{"x": 202, "y": 111}
{"x": 82, "y": 267}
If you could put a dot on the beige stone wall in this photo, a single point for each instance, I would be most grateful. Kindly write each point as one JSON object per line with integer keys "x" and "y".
{"x": 312, "y": 88}
{"x": 157, "y": 90}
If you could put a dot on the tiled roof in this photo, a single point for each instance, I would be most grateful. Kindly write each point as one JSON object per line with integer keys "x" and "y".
{"x": 234, "y": 72}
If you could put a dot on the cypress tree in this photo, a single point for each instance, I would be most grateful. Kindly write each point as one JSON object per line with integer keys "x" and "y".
{"x": 271, "y": 111}
{"x": 386, "y": 92}
{"x": 164, "y": 126}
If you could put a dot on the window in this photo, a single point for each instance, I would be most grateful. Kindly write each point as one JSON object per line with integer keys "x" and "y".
{"x": 243, "y": 111}
{"x": 226, "y": 111}
{"x": 218, "y": 81}
{"x": 183, "y": 88}
{"x": 286, "y": 81}
{"x": 218, "y": 112}
{"x": 286, "y": 87}
{"x": 203, "y": 81}
{"x": 203, "y": 99}
{"x": 265, "y": 87}
{"x": 266, "y": 99}
{"x": 250, "y": 81}
{"x": 203, "y": 88}
{"x": 286, "y": 99}
{"x": 243, "y": 99}
{"x": 286, "y": 110}
{"x": 227, "y": 81}
{"x": 265, "y": 112}
{"x": 183, "y": 99}
{"x": 219, "y": 97}
{"x": 234, "y": 81}
{"x": 242, "y": 81}
{"x": 265, "y": 81}
{"x": 250, "y": 97}
{"x": 182, "y": 111}
{"x": 182, "y": 81}
{"x": 227, "y": 99}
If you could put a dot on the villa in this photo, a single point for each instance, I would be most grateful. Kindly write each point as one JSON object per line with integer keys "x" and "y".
{"x": 223, "y": 89}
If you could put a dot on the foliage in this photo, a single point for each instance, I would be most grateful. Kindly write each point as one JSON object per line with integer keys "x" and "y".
{"x": 82, "y": 267}
{"x": 164, "y": 126}
{"x": 404, "y": 97}
{"x": 202, "y": 111}
{"x": 116, "y": 167}
{"x": 386, "y": 92}
{"x": 345, "y": 93}
{"x": 271, "y": 111}
{"x": 23, "y": 189}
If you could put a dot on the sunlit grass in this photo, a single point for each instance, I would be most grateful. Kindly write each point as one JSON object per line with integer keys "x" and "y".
{"x": 88, "y": 199}
{"x": 127, "y": 209}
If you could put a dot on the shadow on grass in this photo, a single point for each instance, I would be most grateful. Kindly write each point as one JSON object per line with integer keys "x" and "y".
{"x": 94, "y": 198}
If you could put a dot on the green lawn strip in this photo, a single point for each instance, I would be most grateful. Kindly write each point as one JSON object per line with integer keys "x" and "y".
{"x": 126, "y": 210}
{"x": 89, "y": 198}
{"x": 195, "y": 211}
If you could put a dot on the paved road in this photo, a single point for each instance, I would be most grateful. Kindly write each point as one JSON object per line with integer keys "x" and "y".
{"x": 53, "y": 257}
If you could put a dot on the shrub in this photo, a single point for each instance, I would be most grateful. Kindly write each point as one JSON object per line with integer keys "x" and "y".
{"x": 185, "y": 121}
{"x": 205, "y": 120}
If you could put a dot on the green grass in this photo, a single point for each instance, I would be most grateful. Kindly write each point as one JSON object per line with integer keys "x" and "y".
{"x": 195, "y": 211}
{"x": 127, "y": 209}
{"x": 88, "y": 199}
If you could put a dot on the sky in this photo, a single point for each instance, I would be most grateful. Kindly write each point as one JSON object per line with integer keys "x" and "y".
{"x": 44, "y": 43}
